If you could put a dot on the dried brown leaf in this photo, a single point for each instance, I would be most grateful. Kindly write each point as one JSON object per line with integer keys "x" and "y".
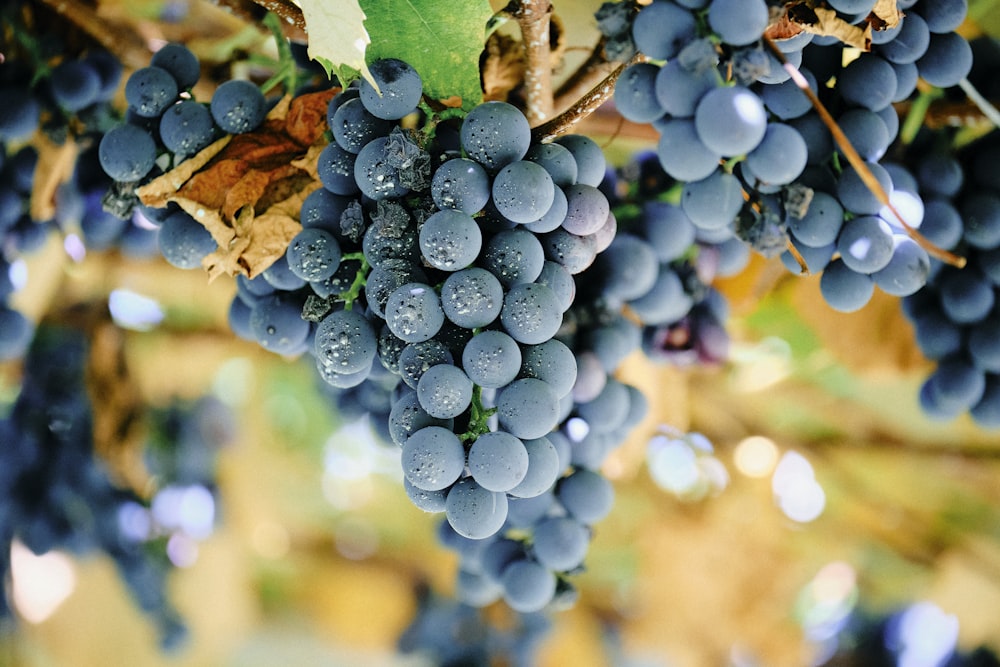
{"x": 244, "y": 190}
{"x": 884, "y": 15}
{"x": 824, "y": 21}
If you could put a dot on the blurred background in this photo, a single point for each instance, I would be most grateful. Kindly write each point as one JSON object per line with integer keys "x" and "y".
{"x": 825, "y": 506}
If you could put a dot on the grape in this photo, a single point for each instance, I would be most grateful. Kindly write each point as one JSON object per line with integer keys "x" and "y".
{"x": 238, "y": 106}
{"x": 667, "y": 229}
{"x": 491, "y": 359}
{"x": 557, "y": 161}
{"x": 413, "y": 312}
{"x": 853, "y": 6}
{"x": 868, "y": 81}
{"x": 186, "y": 127}
{"x": 866, "y": 132}
{"x": 662, "y": 28}
{"x": 682, "y": 153}
{"x": 865, "y": 244}
{"x": 523, "y": 191}
{"x": 514, "y": 256}
{"x": 150, "y": 90}
{"x": 15, "y": 333}
{"x": 353, "y": 126}
{"x": 678, "y": 88}
{"x": 498, "y": 461}
{"x": 818, "y": 138}
{"x": 531, "y": 313}
{"x": 635, "y": 93}
{"x": 335, "y": 167}
{"x": 75, "y": 85}
{"x": 713, "y": 202}
{"x": 587, "y": 209}
{"x": 184, "y": 242}
{"x": 614, "y": 341}
{"x": 855, "y": 195}
{"x": 180, "y": 62}
{"x": 345, "y": 341}
{"x": 738, "y": 22}
{"x": 373, "y": 174}
{"x": 731, "y": 121}
{"x": 986, "y": 412}
{"x": 276, "y": 323}
{"x": 473, "y": 511}
{"x": 984, "y": 343}
{"x": 450, "y": 240}
{"x": 628, "y": 267}
{"x": 609, "y": 408}
{"x": 389, "y": 238}
{"x": 494, "y": 134}
{"x": 559, "y": 280}
{"x": 554, "y": 217}
{"x": 407, "y": 417}
{"x": 966, "y": 295}
{"x": 665, "y": 302}
{"x": 313, "y": 254}
{"x": 127, "y": 153}
{"x": 416, "y": 358}
{"x": 527, "y": 408}
{"x": 955, "y": 385}
{"x": 527, "y": 585}
{"x": 551, "y": 361}
{"x": 981, "y": 217}
{"x": 906, "y": 271}
{"x": 780, "y": 157}
{"x": 561, "y": 543}
{"x": 433, "y": 458}
{"x": 428, "y": 501}
{"x": 786, "y": 100}
{"x": 471, "y": 298}
{"x": 461, "y": 184}
{"x": 322, "y": 208}
{"x": 843, "y": 289}
{"x": 19, "y": 114}
{"x": 909, "y": 44}
{"x": 947, "y": 61}
{"x": 280, "y": 276}
{"x": 396, "y": 92}
{"x": 543, "y": 469}
{"x": 444, "y": 391}
{"x": 590, "y": 162}
{"x": 942, "y": 15}
{"x": 936, "y": 335}
{"x": 586, "y": 495}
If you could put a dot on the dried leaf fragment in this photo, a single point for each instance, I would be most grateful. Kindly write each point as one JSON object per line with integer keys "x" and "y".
{"x": 247, "y": 189}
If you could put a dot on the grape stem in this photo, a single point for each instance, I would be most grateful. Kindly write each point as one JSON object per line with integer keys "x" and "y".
{"x": 286, "y": 72}
{"x": 479, "y": 416}
{"x": 585, "y": 106}
{"x": 856, "y": 161}
{"x": 533, "y": 18}
{"x": 360, "y": 278}
{"x": 981, "y": 102}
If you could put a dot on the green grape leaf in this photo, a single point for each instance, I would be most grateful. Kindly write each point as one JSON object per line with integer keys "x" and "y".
{"x": 337, "y": 37}
{"x": 441, "y": 39}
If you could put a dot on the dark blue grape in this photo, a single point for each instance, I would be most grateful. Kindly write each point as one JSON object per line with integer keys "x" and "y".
{"x": 238, "y": 106}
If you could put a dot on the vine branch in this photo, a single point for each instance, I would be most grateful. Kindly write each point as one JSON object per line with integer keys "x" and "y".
{"x": 587, "y": 105}
{"x": 533, "y": 18}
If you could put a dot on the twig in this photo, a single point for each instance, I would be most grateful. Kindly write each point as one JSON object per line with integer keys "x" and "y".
{"x": 533, "y": 18}
{"x": 857, "y": 162}
{"x": 587, "y": 104}
{"x": 587, "y": 75}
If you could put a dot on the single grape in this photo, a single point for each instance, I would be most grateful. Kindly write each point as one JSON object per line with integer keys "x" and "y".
{"x": 238, "y": 106}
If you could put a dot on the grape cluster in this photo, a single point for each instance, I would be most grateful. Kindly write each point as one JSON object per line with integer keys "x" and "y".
{"x": 54, "y": 493}
{"x": 956, "y": 318}
{"x": 54, "y": 99}
{"x": 757, "y": 161}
